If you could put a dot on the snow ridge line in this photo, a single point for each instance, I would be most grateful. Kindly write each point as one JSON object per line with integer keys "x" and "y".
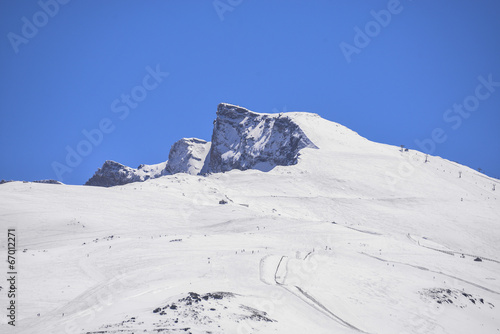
{"x": 451, "y": 252}
{"x": 433, "y": 271}
{"x": 357, "y": 230}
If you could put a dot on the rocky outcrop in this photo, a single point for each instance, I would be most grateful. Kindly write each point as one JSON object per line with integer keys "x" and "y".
{"x": 38, "y": 181}
{"x": 243, "y": 140}
{"x": 48, "y": 181}
{"x": 188, "y": 156}
{"x": 113, "y": 174}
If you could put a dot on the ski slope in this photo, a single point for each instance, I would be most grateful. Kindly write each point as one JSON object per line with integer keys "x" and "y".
{"x": 358, "y": 237}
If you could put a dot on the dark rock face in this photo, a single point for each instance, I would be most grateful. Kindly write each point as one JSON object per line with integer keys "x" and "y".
{"x": 48, "y": 181}
{"x": 113, "y": 174}
{"x": 38, "y": 181}
{"x": 243, "y": 140}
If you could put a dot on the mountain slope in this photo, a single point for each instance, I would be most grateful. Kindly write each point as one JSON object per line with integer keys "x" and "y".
{"x": 355, "y": 237}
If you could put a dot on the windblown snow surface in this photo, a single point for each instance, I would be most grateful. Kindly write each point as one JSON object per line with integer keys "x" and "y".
{"x": 357, "y": 237}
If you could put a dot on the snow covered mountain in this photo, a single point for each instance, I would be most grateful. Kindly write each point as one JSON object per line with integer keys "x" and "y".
{"x": 246, "y": 140}
{"x": 343, "y": 235}
{"x": 241, "y": 139}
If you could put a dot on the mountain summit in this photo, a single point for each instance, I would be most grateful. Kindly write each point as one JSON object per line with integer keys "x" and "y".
{"x": 241, "y": 139}
{"x": 339, "y": 235}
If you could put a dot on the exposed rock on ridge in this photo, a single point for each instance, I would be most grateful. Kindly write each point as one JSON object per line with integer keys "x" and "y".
{"x": 37, "y": 181}
{"x": 113, "y": 173}
{"x": 188, "y": 156}
{"x": 243, "y": 140}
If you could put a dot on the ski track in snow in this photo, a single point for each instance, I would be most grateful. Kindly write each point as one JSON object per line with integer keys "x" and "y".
{"x": 310, "y": 300}
{"x": 434, "y": 271}
{"x": 451, "y": 252}
{"x": 316, "y": 303}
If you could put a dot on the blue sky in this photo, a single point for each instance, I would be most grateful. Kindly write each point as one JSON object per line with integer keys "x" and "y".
{"x": 137, "y": 76}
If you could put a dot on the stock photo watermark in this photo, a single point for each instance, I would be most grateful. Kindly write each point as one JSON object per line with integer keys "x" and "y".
{"x": 454, "y": 117}
{"x": 277, "y": 111}
{"x": 94, "y": 303}
{"x": 11, "y": 277}
{"x": 459, "y": 112}
{"x": 119, "y": 106}
{"x": 223, "y": 6}
{"x": 31, "y": 26}
{"x": 363, "y": 36}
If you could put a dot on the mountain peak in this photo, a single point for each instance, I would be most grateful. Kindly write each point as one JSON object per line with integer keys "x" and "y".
{"x": 241, "y": 139}
{"x": 232, "y": 110}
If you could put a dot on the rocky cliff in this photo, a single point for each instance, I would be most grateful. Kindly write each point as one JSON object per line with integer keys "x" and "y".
{"x": 188, "y": 156}
{"x": 113, "y": 174}
{"x": 241, "y": 139}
